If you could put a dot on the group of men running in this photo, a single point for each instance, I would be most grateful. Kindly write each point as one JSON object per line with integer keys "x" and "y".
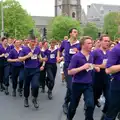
{"x": 29, "y": 61}
{"x": 90, "y": 68}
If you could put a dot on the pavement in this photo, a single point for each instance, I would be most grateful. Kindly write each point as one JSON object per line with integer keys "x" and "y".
{"x": 13, "y": 108}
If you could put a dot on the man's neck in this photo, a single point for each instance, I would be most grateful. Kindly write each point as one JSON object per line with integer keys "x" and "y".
{"x": 43, "y": 48}
{"x": 97, "y": 47}
{"x": 84, "y": 52}
{"x": 17, "y": 48}
{"x": 31, "y": 47}
{"x": 9, "y": 44}
{"x": 52, "y": 48}
{"x": 103, "y": 49}
{"x": 73, "y": 40}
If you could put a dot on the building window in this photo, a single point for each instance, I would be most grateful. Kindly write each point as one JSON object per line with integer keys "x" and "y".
{"x": 73, "y": 15}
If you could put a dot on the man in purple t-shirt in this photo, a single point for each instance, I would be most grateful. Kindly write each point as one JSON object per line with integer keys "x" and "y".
{"x": 17, "y": 68}
{"x": 80, "y": 68}
{"x": 70, "y": 48}
{"x": 113, "y": 68}
{"x": 4, "y": 64}
{"x": 101, "y": 82}
{"x": 31, "y": 56}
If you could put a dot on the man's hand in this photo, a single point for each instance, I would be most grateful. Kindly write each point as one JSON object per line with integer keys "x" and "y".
{"x": 75, "y": 50}
{"x": 97, "y": 69}
{"x": 41, "y": 68}
{"x": 58, "y": 59}
{"x": 30, "y": 55}
{"x": 17, "y": 60}
{"x": 3, "y": 55}
{"x": 86, "y": 66}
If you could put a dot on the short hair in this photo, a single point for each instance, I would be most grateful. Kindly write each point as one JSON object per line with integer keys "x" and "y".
{"x": 65, "y": 37}
{"x": 53, "y": 41}
{"x": 102, "y": 36}
{"x": 3, "y": 38}
{"x": 82, "y": 40}
{"x": 113, "y": 43}
{"x": 116, "y": 41}
{"x": 70, "y": 31}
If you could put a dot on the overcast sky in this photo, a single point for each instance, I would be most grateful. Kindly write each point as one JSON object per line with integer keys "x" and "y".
{"x": 46, "y": 7}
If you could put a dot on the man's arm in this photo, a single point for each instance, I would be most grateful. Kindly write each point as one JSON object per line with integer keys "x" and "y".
{"x": 113, "y": 69}
{"x": 112, "y": 66}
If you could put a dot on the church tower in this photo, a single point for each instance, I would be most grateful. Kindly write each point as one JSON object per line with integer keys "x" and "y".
{"x": 68, "y": 7}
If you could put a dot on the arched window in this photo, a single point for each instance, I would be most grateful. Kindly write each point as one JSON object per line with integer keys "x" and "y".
{"x": 73, "y": 14}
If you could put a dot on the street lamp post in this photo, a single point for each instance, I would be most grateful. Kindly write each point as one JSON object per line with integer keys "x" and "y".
{"x": 2, "y": 19}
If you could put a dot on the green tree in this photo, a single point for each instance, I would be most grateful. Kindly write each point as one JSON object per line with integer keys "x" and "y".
{"x": 59, "y": 27}
{"x": 17, "y": 21}
{"x": 111, "y": 23}
{"x": 91, "y": 30}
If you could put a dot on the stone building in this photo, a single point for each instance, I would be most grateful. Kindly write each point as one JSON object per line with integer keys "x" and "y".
{"x": 97, "y": 12}
{"x": 68, "y": 7}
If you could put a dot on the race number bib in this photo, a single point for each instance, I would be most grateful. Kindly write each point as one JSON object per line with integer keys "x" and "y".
{"x": 52, "y": 56}
{"x": 6, "y": 55}
{"x": 105, "y": 61}
{"x": 90, "y": 68}
{"x": 71, "y": 51}
{"x": 34, "y": 57}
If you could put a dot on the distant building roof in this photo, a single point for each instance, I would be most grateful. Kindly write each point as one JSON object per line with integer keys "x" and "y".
{"x": 42, "y": 20}
{"x": 108, "y": 7}
{"x": 97, "y": 12}
{"x": 105, "y": 7}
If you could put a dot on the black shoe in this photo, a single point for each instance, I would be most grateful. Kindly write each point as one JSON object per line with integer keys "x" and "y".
{"x": 50, "y": 95}
{"x": 43, "y": 91}
{"x": 20, "y": 92}
{"x": 118, "y": 116}
{"x": 2, "y": 88}
{"x": 35, "y": 103}
{"x": 98, "y": 104}
{"x": 65, "y": 108}
{"x": 14, "y": 93}
{"x": 6, "y": 91}
{"x": 26, "y": 104}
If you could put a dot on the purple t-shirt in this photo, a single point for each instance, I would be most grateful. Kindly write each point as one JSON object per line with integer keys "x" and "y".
{"x": 51, "y": 55}
{"x": 11, "y": 46}
{"x": 3, "y": 60}
{"x": 68, "y": 50}
{"x": 99, "y": 57}
{"x": 14, "y": 55}
{"x": 114, "y": 59}
{"x": 32, "y": 62}
{"x": 79, "y": 60}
